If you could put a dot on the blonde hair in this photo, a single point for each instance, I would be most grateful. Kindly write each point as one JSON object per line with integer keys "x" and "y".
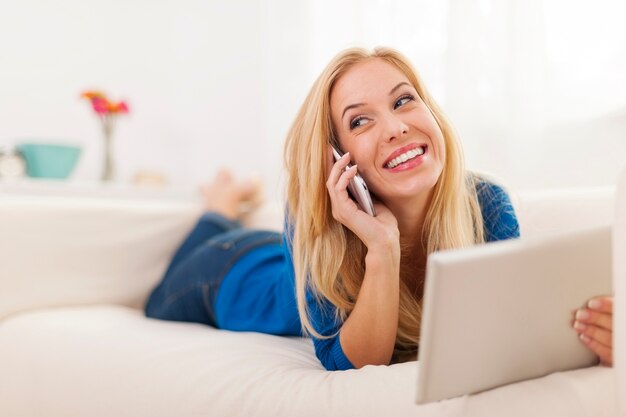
{"x": 453, "y": 219}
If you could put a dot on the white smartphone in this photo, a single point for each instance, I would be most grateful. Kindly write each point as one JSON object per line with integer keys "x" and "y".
{"x": 358, "y": 189}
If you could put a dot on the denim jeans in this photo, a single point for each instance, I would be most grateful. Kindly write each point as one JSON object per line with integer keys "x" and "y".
{"x": 189, "y": 288}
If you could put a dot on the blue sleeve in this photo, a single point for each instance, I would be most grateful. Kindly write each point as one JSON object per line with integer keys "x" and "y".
{"x": 329, "y": 351}
{"x": 500, "y": 221}
{"x": 322, "y": 315}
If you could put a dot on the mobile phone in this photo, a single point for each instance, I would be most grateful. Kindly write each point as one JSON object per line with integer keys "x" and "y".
{"x": 358, "y": 189}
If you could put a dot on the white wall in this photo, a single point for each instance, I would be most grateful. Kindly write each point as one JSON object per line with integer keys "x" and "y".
{"x": 217, "y": 83}
{"x": 195, "y": 74}
{"x": 538, "y": 89}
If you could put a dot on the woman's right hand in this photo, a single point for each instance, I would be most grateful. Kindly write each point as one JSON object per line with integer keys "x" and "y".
{"x": 375, "y": 232}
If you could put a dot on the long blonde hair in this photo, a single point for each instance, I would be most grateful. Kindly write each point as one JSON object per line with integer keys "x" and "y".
{"x": 329, "y": 260}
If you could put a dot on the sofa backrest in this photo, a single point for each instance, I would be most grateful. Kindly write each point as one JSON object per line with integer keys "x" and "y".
{"x": 66, "y": 251}
{"x": 544, "y": 212}
{"x": 60, "y": 250}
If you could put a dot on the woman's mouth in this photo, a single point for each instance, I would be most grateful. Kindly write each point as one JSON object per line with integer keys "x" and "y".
{"x": 406, "y": 157}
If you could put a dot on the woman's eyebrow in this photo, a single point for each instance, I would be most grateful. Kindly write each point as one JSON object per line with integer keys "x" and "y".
{"x": 351, "y": 106}
{"x": 393, "y": 90}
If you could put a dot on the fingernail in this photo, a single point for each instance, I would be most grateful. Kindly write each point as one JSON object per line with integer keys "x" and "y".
{"x": 580, "y": 326}
{"x": 586, "y": 339}
{"x": 595, "y": 304}
{"x": 582, "y": 314}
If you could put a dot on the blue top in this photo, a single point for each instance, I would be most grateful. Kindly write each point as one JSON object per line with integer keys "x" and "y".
{"x": 258, "y": 293}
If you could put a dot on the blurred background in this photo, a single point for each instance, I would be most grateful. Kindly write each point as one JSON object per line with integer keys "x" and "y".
{"x": 536, "y": 89}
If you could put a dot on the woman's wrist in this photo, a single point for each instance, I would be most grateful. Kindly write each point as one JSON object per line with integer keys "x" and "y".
{"x": 385, "y": 241}
{"x": 383, "y": 256}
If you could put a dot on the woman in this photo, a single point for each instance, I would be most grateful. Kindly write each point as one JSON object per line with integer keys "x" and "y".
{"x": 358, "y": 279}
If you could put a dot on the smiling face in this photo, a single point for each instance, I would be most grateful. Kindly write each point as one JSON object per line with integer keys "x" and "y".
{"x": 391, "y": 134}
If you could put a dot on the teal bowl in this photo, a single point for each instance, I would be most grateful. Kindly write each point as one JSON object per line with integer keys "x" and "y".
{"x": 47, "y": 160}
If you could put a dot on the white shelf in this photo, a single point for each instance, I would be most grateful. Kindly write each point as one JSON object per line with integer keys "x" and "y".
{"x": 71, "y": 188}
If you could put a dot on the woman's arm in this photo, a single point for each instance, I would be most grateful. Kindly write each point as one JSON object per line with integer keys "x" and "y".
{"x": 368, "y": 334}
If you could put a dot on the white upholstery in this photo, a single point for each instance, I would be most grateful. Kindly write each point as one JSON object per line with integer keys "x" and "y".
{"x": 73, "y": 342}
{"x": 64, "y": 251}
{"x": 103, "y": 361}
{"x": 550, "y": 211}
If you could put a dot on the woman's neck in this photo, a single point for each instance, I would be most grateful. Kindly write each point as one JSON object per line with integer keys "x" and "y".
{"x": 411, "y": 216}
{"x": 413, "y": 269}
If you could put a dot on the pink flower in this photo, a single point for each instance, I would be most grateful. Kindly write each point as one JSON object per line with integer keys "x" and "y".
{"x": 106, "y": 110}
{"x": 100, "y": 105}
{"x": 122, "y": 107}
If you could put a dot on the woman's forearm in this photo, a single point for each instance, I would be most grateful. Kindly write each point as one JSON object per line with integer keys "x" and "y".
{"x": 368, "y": 335}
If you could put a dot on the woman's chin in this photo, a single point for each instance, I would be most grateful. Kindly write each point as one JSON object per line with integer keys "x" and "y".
{"x": 408, "y": 191}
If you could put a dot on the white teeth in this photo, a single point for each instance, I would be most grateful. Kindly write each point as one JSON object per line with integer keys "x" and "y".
{"x": 405, "y": 157}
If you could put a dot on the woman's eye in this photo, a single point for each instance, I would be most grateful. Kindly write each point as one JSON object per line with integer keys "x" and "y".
{"x": 402, "y": 101}
{"x": 358, "y": 122}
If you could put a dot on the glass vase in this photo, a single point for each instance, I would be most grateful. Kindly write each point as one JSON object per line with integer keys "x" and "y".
{"x": 108, "y": 165}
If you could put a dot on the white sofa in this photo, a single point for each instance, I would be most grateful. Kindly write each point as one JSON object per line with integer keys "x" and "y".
{"x": 77, "y": 263}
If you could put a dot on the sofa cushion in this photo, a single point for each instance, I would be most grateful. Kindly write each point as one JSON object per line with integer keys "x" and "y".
{"x": 115, "y": 362}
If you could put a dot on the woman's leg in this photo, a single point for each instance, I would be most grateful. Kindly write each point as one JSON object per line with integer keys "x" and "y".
{"x": 222, "y": 200}
{"x": 188, "y": 293}
{"x": 209, "y": 225}
{"x": 188, "y": 279}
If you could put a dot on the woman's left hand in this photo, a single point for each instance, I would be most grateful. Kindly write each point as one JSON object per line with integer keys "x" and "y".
{"x": 594, "y": 325}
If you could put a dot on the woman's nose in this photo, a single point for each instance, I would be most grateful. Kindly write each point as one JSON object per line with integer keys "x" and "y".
{"x": 395, "y": 127}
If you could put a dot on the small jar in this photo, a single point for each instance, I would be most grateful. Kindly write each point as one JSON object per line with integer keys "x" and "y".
{"x": 12, "y": 164}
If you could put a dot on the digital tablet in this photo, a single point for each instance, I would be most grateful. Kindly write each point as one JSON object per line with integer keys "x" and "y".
{"x": 502, "y": 312}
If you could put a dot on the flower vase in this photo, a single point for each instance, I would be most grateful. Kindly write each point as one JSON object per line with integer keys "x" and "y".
{"x": 108, "y": 167}
{"x": 107, "y": 111}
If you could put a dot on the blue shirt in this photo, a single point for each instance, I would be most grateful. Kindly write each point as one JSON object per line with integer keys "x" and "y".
{"x": 258, "y": 293}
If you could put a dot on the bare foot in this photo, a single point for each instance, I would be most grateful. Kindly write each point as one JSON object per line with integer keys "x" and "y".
{"x": 230, "y": 197}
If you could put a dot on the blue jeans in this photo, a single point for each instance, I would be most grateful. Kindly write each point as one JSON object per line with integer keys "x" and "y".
{"x": 189, "y": 288}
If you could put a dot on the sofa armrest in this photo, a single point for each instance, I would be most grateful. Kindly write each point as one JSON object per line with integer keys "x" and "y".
{"x": 619, "y": 286}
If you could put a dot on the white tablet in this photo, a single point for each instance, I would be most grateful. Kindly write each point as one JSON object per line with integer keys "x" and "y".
{"x": 502, "y": 312}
